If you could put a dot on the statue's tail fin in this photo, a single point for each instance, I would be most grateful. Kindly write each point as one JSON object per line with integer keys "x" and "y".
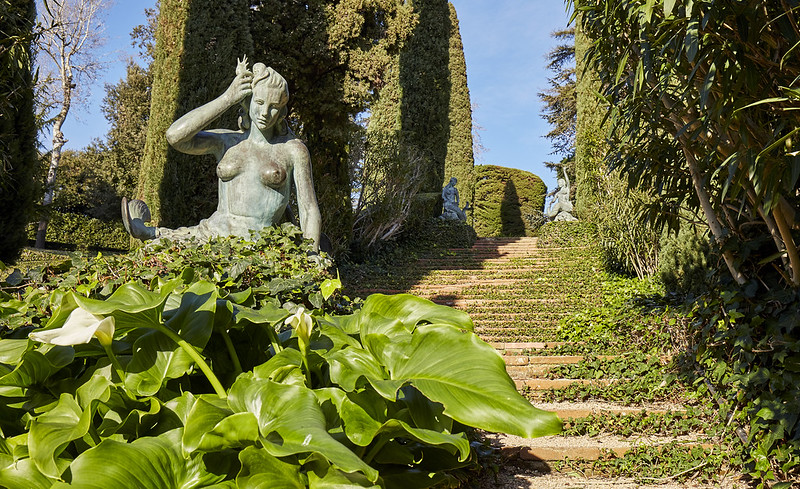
{"x": 134, "y": 214}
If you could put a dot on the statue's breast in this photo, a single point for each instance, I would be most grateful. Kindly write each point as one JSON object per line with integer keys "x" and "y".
{"x": 272, "y": 174}
{"x": 228, "y": 168}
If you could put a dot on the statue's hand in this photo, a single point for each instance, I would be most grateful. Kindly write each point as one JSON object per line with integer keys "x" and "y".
{"x": 241, "y": 86}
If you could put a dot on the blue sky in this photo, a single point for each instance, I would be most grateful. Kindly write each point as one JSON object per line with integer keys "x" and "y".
{"x": 505, "y": 42}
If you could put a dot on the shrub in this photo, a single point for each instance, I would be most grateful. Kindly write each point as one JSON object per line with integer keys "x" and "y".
{"x": 504, "y": 198}
{"x": 18, "y": 161}
{"x": 77, "y": 231}
{"x": 744, "y": 352}
{"x": 683, "y": 262}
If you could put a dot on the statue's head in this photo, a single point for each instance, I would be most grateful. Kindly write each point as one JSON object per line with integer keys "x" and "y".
{"x": 453, "y": 181}
{"x": 562, "y": 183}
{"x": 267, "y": 105}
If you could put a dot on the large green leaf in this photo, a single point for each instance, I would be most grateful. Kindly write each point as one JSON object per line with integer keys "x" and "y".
{"x": 132, "y": 305}
{"x": 212, "y": 426}
{"x": 350, "y": 364}
{"x": 51, "y": 431}
{"x": 36, "y": 367}
{"x": 11, "y": 350}
{"x": 157, "y": 358}
{"x": 469, "y": 378}
{"x": 446, "y": 362}
{"x": 129, "y": 418}
{"x": 330, "y": 478}
{"x": 260, "y": 470}
{"x": 410, "y": 310}
{"x": 291, "y": 422}
{"x": 284, "y": 368}
{"x": 147, "y": 463}
{"x": 23, "y": 473}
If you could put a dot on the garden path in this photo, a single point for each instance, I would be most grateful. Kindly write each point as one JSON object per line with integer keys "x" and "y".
{"x": 516, "y": 292}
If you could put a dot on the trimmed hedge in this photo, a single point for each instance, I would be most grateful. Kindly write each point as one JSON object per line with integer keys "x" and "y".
{"x": 77, "y": 231}
{"x": 507, "y": 201}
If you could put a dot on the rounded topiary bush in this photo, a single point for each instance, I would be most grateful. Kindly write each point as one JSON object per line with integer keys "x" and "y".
{"x": 506, "y": 201}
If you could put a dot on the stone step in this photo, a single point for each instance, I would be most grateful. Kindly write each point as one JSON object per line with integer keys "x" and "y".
{"x": 546, "y": 384}
{"x": 578, "y": 410}
{"x": 557, "y": 448}
{"x": 540, "y": 327}
{"x": 517, "y": 347}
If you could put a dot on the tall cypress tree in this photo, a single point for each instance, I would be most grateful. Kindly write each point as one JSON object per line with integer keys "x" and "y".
{"x": 590, "y": 143}
{"x": 460, "y": 160}
{"x": 197, "y": 44}
{"x": 425, "y": 84}
{"x": 334, "y": 56}
{"x": 18, "y": 159}
{"x": 414, "y": 109}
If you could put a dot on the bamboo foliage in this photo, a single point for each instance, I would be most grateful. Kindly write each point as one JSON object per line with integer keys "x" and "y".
{"x": 703, "y": 98}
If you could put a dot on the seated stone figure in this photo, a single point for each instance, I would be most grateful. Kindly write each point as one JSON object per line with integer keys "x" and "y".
{"x": 451, "y": 209}
{"x": 255, "y": 165}
{"x": 560, "y": 208}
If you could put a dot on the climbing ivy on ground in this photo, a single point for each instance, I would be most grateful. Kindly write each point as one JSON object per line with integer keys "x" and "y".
{"x": 561, "y": 234}
{"x": 275, "y": 266}
{"x": 688, "y": 421}
{"x": 633, "y": 316}
{"x": 653, "y": 464}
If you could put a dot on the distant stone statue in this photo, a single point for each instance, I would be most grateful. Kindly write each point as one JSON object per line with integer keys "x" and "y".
{"x": 451, "y": 209}
{"x": 255, "y": 165}
{"x": 560, "y": 207}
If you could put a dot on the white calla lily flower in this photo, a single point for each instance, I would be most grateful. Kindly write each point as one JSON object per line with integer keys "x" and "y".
{"x": 79, "y": 328}
{"x": 301, "y": 322}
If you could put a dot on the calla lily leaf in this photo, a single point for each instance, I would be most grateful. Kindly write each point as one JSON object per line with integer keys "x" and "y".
{"x": 146, "y": 463}
{"x": 132, "y": 305}
{"x": 51, "y": 431}
{"x": 260, "y": 470}
{"x": 36, "y": 367}
{"x": 411, "y": 310}
{"x": 23, "y": 473}
{"x": 212, "y": 426}
{"x": 468, "y": 378}
{"x": 11, "y": 351}
{"x": 291, "y": 422}
{"x": 157, "y": 358}
{"x": 336, "y": 479}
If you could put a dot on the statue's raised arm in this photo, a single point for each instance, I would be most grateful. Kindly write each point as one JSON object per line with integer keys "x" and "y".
{"x": 255, "y": 164}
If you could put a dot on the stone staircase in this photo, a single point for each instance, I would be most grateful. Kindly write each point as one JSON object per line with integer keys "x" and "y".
{"x": 516, "y": 293}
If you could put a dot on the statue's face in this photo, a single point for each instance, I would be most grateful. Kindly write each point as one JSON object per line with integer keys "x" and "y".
{"x": 265, "y": 106}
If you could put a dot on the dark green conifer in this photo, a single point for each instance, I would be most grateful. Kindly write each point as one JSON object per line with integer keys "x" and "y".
{"x": 460, "y": 158}
{"x": 18, "y": 158}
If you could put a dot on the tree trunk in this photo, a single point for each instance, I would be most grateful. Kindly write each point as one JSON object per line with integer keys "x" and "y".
{"x": 55, "y": 159}
{"x": 711, "y": 216}
{"x": 791, "y": 249}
